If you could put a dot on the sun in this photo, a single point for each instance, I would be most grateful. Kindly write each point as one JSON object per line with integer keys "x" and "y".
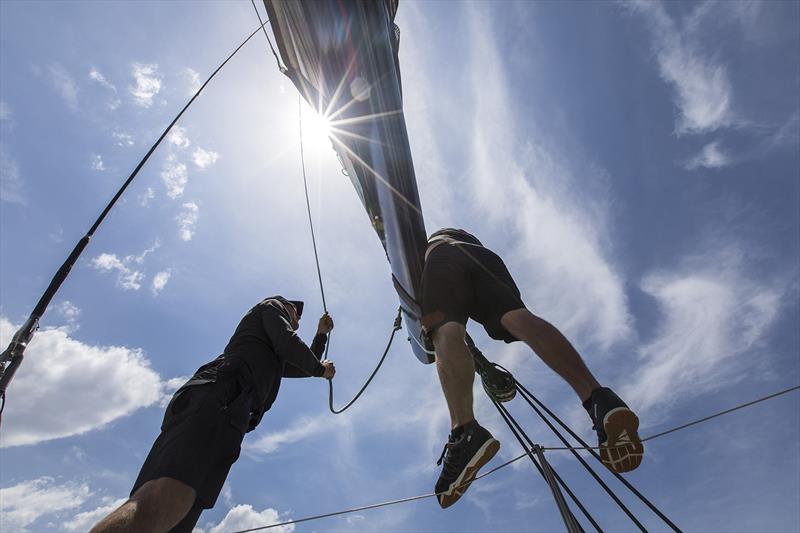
{"x": 316, "y": 129}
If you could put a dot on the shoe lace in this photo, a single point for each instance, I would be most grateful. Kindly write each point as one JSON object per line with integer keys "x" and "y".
{"x": 452, "y": 460}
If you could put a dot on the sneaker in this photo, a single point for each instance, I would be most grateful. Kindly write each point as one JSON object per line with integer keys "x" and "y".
{"x": 621, "y": 450}
{"x": 464, "y": 454}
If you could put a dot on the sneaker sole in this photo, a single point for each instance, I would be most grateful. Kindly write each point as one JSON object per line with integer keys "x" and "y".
{"x": 462, "y": 483}
{"x": 623, "y": 450}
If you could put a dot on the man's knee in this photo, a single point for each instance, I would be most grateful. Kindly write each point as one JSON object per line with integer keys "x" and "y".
{"x": 448, "y": 334}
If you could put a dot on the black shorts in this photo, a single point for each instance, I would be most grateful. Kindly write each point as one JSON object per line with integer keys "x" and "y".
{"x": 462, "y": 281}
{"x": 200, "y": 438}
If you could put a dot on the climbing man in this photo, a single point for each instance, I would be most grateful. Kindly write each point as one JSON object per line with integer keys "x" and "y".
{"x": 208, "y": 416}
{"x": 462, "y": 279}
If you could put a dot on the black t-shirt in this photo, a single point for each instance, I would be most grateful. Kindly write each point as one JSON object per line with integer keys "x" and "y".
{"x": 263, "y": 349}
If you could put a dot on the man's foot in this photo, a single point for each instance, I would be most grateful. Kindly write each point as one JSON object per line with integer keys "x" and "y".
{"x": 621, "y": 450}
{"x": 468, "y": 448}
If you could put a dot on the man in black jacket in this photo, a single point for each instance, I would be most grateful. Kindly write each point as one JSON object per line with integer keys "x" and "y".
{"x": 208, "y": 416}
{"x": 462, "y": 279}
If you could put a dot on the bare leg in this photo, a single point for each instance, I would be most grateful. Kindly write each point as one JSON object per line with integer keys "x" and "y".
{"x": 158, "y": 505}
{"x": 553, "y": 348}
{"x": 456, "y": 371}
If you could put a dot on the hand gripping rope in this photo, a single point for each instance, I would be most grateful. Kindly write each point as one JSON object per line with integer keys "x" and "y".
{"x": 397, "y": 320}
{"x": 529, "y": 452}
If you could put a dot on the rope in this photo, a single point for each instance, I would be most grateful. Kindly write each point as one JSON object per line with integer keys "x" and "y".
{"x": 622, "y": 480}
{"x": 688, "y": 424}
{"x": 519, "y": 433}
{"x": 308, "y": 208}
{"x": 397, "y": 326}
{"x": 278, "y": 61}
{"x": 493, "y": 470}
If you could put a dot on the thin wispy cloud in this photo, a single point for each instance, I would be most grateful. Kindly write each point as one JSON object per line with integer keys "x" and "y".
{"x": 177, "y": 137}
{"x": 711, "y": 156}
{"x": 127, "y": 278}
{"x": 96, "y": 76}
{"x": 175, "y": 176}
{"x": 160, "y": 281}
{"x": 24, "y": 503}
{"x": 147, "y": 196}
{"x": 204, "y": 158}
{"x": 187, "y": 219}
{"x": 701, "y": 84}
{"x": 559, "y": 243}
{"x": 122, "y": 139}
{"x": 193, "y": 79}
{"x": 97, "y": 163}
{"x": 147, "y": 83}
{"x": 5, "y": 111}
{"x": 65, "y": 85}
{"x": 12, "y": 189}
{"x": 129, "y": 275}
{"x": 70, "y": 313}
{"x": 714, "y": 316}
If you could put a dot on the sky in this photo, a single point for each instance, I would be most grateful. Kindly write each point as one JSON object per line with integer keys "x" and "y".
{"x": 636, "y": 164}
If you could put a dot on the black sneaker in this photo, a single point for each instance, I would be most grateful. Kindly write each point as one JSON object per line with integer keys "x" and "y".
{"x": 617, "y": 427}
{"x": 466, "y": 451}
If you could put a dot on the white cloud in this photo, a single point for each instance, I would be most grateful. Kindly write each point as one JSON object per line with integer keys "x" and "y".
{"x": 123, "y": 139}
{"x": 24, "y": 503}
{"x": 298, "y": 431}
{"x": 711, "y": 156}
{"x": 160, "y": 281}
{"x": 86, "y": 520}
{"x": 703, "y": 91}
{"x": 147, "y": 196}
{"x": 113, "y": 381}
{"x": 187, "y": 219}
{"x": 139, "y": 259}
{"x": 559, "y": 237}
{"x": 65, "y": 86}
{"x": 5, "y": 111}
{"x": 98, "y": 77}
{"x": 245, "y": 517}
{"x": 177, "y": 136}
{"x": 11, "y": 185}
{"x": 127, "y": 278}
{"x": 97, "y": 163}
{"x": 714, "y": 316}
{"x": 148, "y": 83}
{"x": 204, "y": 158}
{"x": 175, "y": 176}
{"x": 194, "y": 81}
{"x": 70, "y": 313}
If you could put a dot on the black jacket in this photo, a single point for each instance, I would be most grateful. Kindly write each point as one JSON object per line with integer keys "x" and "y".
{"x": 263, "y": 349}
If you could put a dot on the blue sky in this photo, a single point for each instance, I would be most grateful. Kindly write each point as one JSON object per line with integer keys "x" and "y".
{"x": 636, "y": 164}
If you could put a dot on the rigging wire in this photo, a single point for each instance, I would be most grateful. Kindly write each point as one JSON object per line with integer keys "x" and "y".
{"x": 12, "y": 356}
{"x": 397, "y": 322}
{"x": 624, "y": 481}
{"x": 308, "y": 209}
{"x": 263, "y": 24}
{"x": 495, "y": 469}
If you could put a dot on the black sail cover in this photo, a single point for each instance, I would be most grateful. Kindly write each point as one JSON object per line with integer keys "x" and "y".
{"x": 342, "y": 57}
